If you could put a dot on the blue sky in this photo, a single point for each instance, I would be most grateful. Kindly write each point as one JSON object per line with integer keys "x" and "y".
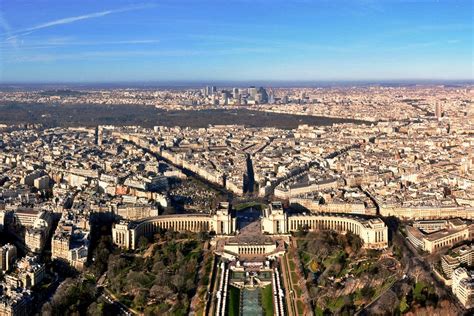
{"x": 238, "y": 40}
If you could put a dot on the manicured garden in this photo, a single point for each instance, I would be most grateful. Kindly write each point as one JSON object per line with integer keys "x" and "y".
{"x": 163, "y": 276}
{"x": 331, "y": 262}
{"x": 234, "y": 301}
{"x": 243, "y": 206}
{"x": 267, "y": 300}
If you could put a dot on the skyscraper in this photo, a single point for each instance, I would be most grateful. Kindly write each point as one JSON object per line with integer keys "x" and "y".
{"x": 210, "y": 90}
{"x": 271, "y": 97}
{"x": 252, "y": 92}
{"x": 438, "y": 111}
{"x": 263, "y": 95}
{"x": 235, "y": 93}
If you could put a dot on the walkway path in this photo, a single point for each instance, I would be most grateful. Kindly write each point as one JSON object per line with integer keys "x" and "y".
{"x": 290, "y": 302}
{"x": 297, "y": 291}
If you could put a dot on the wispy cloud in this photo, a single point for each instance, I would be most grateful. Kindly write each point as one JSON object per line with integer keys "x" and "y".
{"x": 66, "y": 42}
{"x": 69, "y": 20}
{"x": 119, "y": 55}
{"x": 8, "y": 30}
{"x": 124, "y": 42}
{"x": 403, "y": 29}
{"x": 307, "y": 45}
{"x": 422, "y": 45}
{"x": 445, "y": 27}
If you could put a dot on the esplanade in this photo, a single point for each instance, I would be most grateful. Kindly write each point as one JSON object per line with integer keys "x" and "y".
{"x": 275, "y": 221}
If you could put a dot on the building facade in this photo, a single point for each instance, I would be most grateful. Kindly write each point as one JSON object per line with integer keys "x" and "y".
{"x": 463, "y": 255}
{"x": 463, "y": 286}
{"x": 70, "y": 242}
{"x": 432, "y": 236}
{"x": 126, "y": 233}
{"x": 275, "y": 221}
{"x": 8, "y": 256}
{"x": 13, "y": 302}
{"x": 373, "y": 232}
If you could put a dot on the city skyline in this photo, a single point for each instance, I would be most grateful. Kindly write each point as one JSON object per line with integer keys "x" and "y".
{"x": 236, "y": 157}
{"x": 125, "y": 41}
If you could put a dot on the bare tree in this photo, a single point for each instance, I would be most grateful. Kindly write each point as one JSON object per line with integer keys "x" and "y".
{"x": 417, "y": 272}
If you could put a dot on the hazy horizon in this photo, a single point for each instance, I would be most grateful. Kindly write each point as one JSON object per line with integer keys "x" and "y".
{"x": 246, "y": 83}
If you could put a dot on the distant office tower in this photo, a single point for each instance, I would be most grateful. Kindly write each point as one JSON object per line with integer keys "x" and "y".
{"x": 225, "y": 97}
{"x": 252, "y": 92}
{"x": 271, "y": 97}
{"x": 210, "y": 90}
{"x": 263, "y": 95}
{"x": 235, "y": 93}
{"x": 438, "y": 111}
{"x": 225, "y": 93}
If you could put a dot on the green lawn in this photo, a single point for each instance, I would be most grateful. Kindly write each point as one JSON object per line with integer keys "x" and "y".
{"x": 292, "y": 265}
{"x": 362, "y": 268}
{"x": 318, "y": 311}
{"x": 335, "y": 305}
{"x": 403, "y": 305}
{"x": 267, "y": 300}
{"x": 243, "y": 206}
{"x": 335, "y": 258}
{"x": 294, "y": 278}
{"x": 418, "y": 292}
{"x": 305, "y": 258}
{"x": 300, "y": 307}
{"x": 298, "y": 290}
{"x": 234, "y": 301}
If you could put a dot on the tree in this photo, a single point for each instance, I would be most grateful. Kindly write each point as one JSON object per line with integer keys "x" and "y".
{"x": 142, "y": 242}
{"x": 367, "y": 292}
{"x": 47, "y": 309}
{"x": 95, "y": 309}
{"x": 354, "y": 241}
{"x": 140, "y": 299}
{"x": 388, "y": 303}
{"x": 73, "y": 296}
{"x": 404, "y": 307}
{"x": 417, "y": 272}
{"x": 101, "y": 255}
{"x": 203, "y": 236}
{"x": 179, "y": 282}
{"x": 168, "y": 278}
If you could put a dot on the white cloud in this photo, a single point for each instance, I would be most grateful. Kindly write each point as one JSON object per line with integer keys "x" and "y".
{"x": 8, "y": 30}
{"x": 120, "y": 55}
{"x": 69, "y": 20}
{"x": 72, "y": 19}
